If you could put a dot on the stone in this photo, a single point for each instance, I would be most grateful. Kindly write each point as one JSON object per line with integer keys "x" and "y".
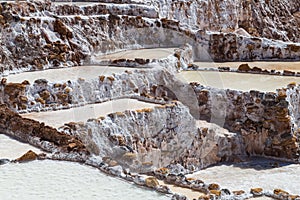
{"x": 129, "y": 156}
{"x": 62, "y": 29}
{"x": 151, "y": 182}
{"x": 171, "y": 178}
{"x": 163, "y": 171}
{"x": 204, "y": 197}
{"x": 213, "y": 186}
{"x": 72, "y": 145}
{"x": 280, "y": 192}
{"x": 215, "y": 192}
{"x": 294, "y": 197}
{"x": 163, "y": 189}
{"x": 113, "y": 163}
{"x": 256, "y": 69}
{"x": 256, "y": 191}
{"x": 179, "y": 197}
{"x": 116, "y": 170}
{"x": 238, "y": 192}
{"x": 4, "y": 161}
{"x": 224, "y": 69}
{"x": 29, "y": 156}
{"x": 244, "y": 68}
{"x": 288, "y": 73}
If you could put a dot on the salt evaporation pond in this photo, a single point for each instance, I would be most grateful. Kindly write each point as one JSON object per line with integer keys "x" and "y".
{"x": 64, "y": 74}
{"x": 65, "y": 180}
{"x": 12, "y": 149}
{"x": 258, "y": 172}
{"x": 155, "y": 53}
{"x": 81, "y": 114}
{"x": 238, "y": 81}
{"x": 279, "y": 66}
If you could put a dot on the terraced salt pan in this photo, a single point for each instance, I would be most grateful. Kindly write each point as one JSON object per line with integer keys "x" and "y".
{"x": 65, "y": 180}
{"x": 81, "y": 114}
{"x": 253, "y": 174}
{"x": 279, "y": 66}
{"x": 237, "y": 81}
{"x": 12, "y": 149}
{"x": 156, "y": 53}
{"x": 64, "y": 74}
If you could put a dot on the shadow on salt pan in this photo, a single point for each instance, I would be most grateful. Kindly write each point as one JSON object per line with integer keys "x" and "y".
{"x": 258, "y": 172}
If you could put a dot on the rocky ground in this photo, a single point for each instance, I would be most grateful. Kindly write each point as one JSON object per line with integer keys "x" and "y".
{"x": 169, "y": 140}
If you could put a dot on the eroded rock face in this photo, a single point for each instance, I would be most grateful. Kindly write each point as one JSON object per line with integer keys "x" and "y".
{"x": 272, "y": 19}
{"x": 263, "y": 119}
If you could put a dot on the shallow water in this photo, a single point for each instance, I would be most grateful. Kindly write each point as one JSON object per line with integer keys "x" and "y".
{"x": 155, "y": 53}
{"x": 81, "y": 114}
{"x": 64, "y": 74}
{"x": 293, "y": 66}
{"x": 12, "y": 149}
{"x": 238, "y": 81}
{"x": 65, "y": 180}
{"x": 253, "y": 174}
